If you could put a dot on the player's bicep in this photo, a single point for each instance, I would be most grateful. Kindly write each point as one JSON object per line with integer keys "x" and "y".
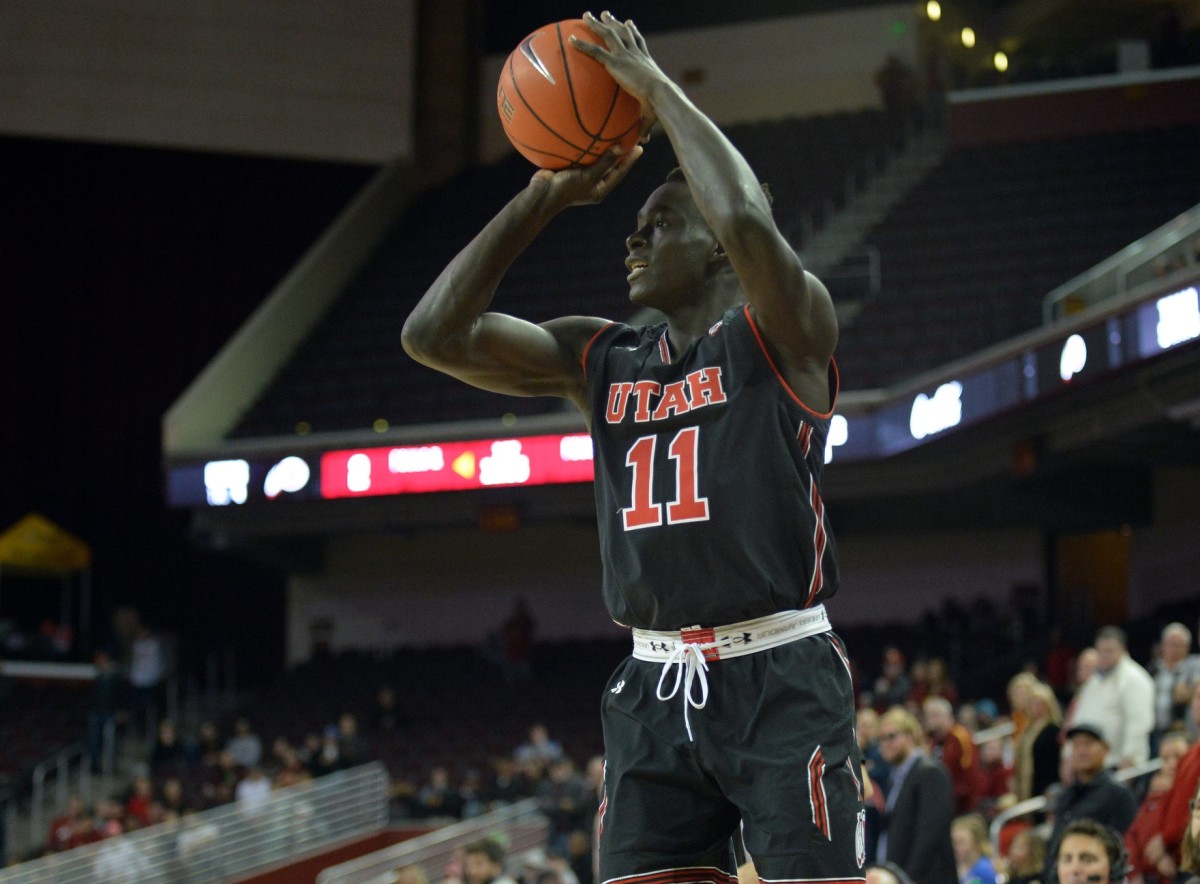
{"x": 508, "y": 355}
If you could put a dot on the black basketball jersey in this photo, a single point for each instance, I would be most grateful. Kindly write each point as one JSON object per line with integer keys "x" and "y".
{"x": 708, "y": 479}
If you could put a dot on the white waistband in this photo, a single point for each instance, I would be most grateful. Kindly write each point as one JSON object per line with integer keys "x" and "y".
{"x": 736, "y": 639}
{"x": 686, "y": 653}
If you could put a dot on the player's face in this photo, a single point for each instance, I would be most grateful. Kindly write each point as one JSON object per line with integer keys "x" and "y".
{"x": 672, "y": 252}
{"x": 1082, "y": 858}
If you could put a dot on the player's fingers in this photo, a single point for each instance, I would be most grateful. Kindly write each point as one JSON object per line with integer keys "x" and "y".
{"x": 593, "y": 50}
{"x": 616, "y": 29}
{"x": 614, "y": 175}
{"x": 638, "y": 39}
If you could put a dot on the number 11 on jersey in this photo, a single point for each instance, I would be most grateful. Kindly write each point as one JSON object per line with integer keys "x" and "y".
{"x": 688, "y": 505}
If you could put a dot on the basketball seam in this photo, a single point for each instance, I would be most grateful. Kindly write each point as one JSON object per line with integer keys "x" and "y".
{"x": 517, "y": 88}
{"x": 571, "y": 91}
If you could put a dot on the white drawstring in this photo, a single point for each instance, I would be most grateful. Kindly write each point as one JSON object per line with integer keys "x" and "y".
{"x": 688, "y": 660}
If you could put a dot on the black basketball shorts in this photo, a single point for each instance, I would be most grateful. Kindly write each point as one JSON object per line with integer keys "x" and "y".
{"x": 773, "y": 750}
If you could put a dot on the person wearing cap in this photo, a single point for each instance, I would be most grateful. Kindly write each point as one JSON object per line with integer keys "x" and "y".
{"x": 1092, "y": 793}
{"x": 1119, "y": 696}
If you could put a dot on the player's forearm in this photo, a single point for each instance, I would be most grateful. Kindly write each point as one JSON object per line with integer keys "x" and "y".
{"x": 445, "y": 315}
{"x": 722, "y": 183}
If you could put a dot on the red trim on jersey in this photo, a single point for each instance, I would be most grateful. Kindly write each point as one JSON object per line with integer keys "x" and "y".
{"x": 664, "y": 348}
{"x": 813, "y": 880}
{"x": 854, "y": 776}
{"x": 837, "y": 380}
{"x": 804, "y": 437}
{"x": 588, "y": 347}
{"x": 816, "y": 793}
{"x": 819, "y": 541}
{"x": 688, "y": 875}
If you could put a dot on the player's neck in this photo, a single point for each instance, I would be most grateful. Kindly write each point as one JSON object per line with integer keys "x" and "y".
{"x": 686, "y": 324}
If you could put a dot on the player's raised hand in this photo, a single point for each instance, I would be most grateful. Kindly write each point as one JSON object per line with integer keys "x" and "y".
{"x": 628, "y": 60}
{"x": 584, "y": 185}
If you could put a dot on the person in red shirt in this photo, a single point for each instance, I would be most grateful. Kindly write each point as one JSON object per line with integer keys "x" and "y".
{"x": 1148, "y": 821}
{"x": 63, "y": 827}
{"x": 952, "y": 743}
{"x": 1163, "y": 849}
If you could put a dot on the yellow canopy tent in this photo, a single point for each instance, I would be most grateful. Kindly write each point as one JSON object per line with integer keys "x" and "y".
{"x": 36, "y": 547}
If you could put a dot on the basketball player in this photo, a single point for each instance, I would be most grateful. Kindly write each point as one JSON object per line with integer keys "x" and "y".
{"x": 736, "y": 706}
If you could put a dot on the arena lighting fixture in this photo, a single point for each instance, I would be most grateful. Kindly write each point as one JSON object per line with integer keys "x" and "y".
{"x": 1001, "y": 61}
{"x": 968, "y": 37}
{"x": 933, "y": 10}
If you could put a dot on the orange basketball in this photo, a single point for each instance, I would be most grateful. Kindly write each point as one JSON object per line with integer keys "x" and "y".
{"x": 559, "y": 107}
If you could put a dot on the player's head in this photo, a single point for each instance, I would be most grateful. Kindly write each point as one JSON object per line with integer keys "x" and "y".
{"x": 674, "y": 257}
{"x": 1090, "y": 853}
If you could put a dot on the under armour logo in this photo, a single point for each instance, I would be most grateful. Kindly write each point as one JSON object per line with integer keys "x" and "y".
{"x": 743, "y": 639}
{"x": 660, "y": 646}
{"x": 619, "y": 687}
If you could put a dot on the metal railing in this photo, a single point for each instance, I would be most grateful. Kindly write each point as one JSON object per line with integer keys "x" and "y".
{"x": 523, "y": 825}
{"x": 1037, "y": 803}
{"x": 229, "y": 840}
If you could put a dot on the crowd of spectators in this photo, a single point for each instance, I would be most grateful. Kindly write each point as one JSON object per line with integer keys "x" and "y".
{"x": 1076, "y": 729}
{"x": 943, "y": 770}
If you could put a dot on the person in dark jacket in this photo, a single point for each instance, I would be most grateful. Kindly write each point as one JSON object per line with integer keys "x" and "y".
{"x": 920, "y": 804}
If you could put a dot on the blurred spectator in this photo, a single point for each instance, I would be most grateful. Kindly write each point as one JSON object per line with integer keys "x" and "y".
{"x": 1147, "y": 823}
{"x": 252, "y": 793}
{"x": 147, "y": 669}
{"x": 997, "y": 775}
{"x": 438, "y": 798}
{"x": 387, "y": 716}
{"x": 507, "y": 783}
{"x": 920, "y": 804}
{"x": 564, "y": 799}
{"x": 471, "y": 793}
{"x": 1036, "y": 752}
{"x": 62, "y": 827}
{"x": 539, "y": 750}
{"x": 897, "y": 91}
{"x": 1093, "y": 793}
{"x": 1177, "y": 811}
{"x": 1059, "y": 664}
{"x": 351, "y": 746}
{"x": 483, "y": 863}
{"x": 118, "y": 861}
{"x": 1026, "y": 858}
{"x": 938, "y": 682}
{"x": 972, "y": 850}
{"x": 172, "y": 797}
{"x": 244, "y": 746}
{"x": 1189, "y": 852}
{"x": 205, "y": 750}
{"x": 167, "y": 757}
{"x": 1085, "y": 667}
{"x": 1018, "y": 701}
{"x": 1119, "y": 697}
{"x": 867, "y": 731}
{"x": 140, "y": 800}
{"x": 952, "y": 745}
{"x": 108, "y": 688}
{"x": 893, "y": 686}
{"x": 1175, "y": 672}
{"x": 518, "y": 643}
{"x": 329, "y": 758}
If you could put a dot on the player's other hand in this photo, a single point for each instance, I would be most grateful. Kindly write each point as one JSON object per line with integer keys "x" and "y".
{"x": 625, "y": 55}
{"x": 584, "y": 185}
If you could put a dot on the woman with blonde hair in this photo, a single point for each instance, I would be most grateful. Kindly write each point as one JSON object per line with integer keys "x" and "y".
{"x": 1018, "y": 695}
{"x": 972, "y": 850}
{"x": 1036, "y": 752}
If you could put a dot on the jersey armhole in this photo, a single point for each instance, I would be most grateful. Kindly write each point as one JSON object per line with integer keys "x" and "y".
{"x": 588, "y": 347}
{"x": 834, "y": 378}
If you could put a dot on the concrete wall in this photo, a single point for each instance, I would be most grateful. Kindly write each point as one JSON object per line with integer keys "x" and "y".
{"x": 299, "y": 78}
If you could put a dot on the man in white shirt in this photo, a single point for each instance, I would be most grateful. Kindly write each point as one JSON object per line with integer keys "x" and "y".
{"x": 1119, "y": 697}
